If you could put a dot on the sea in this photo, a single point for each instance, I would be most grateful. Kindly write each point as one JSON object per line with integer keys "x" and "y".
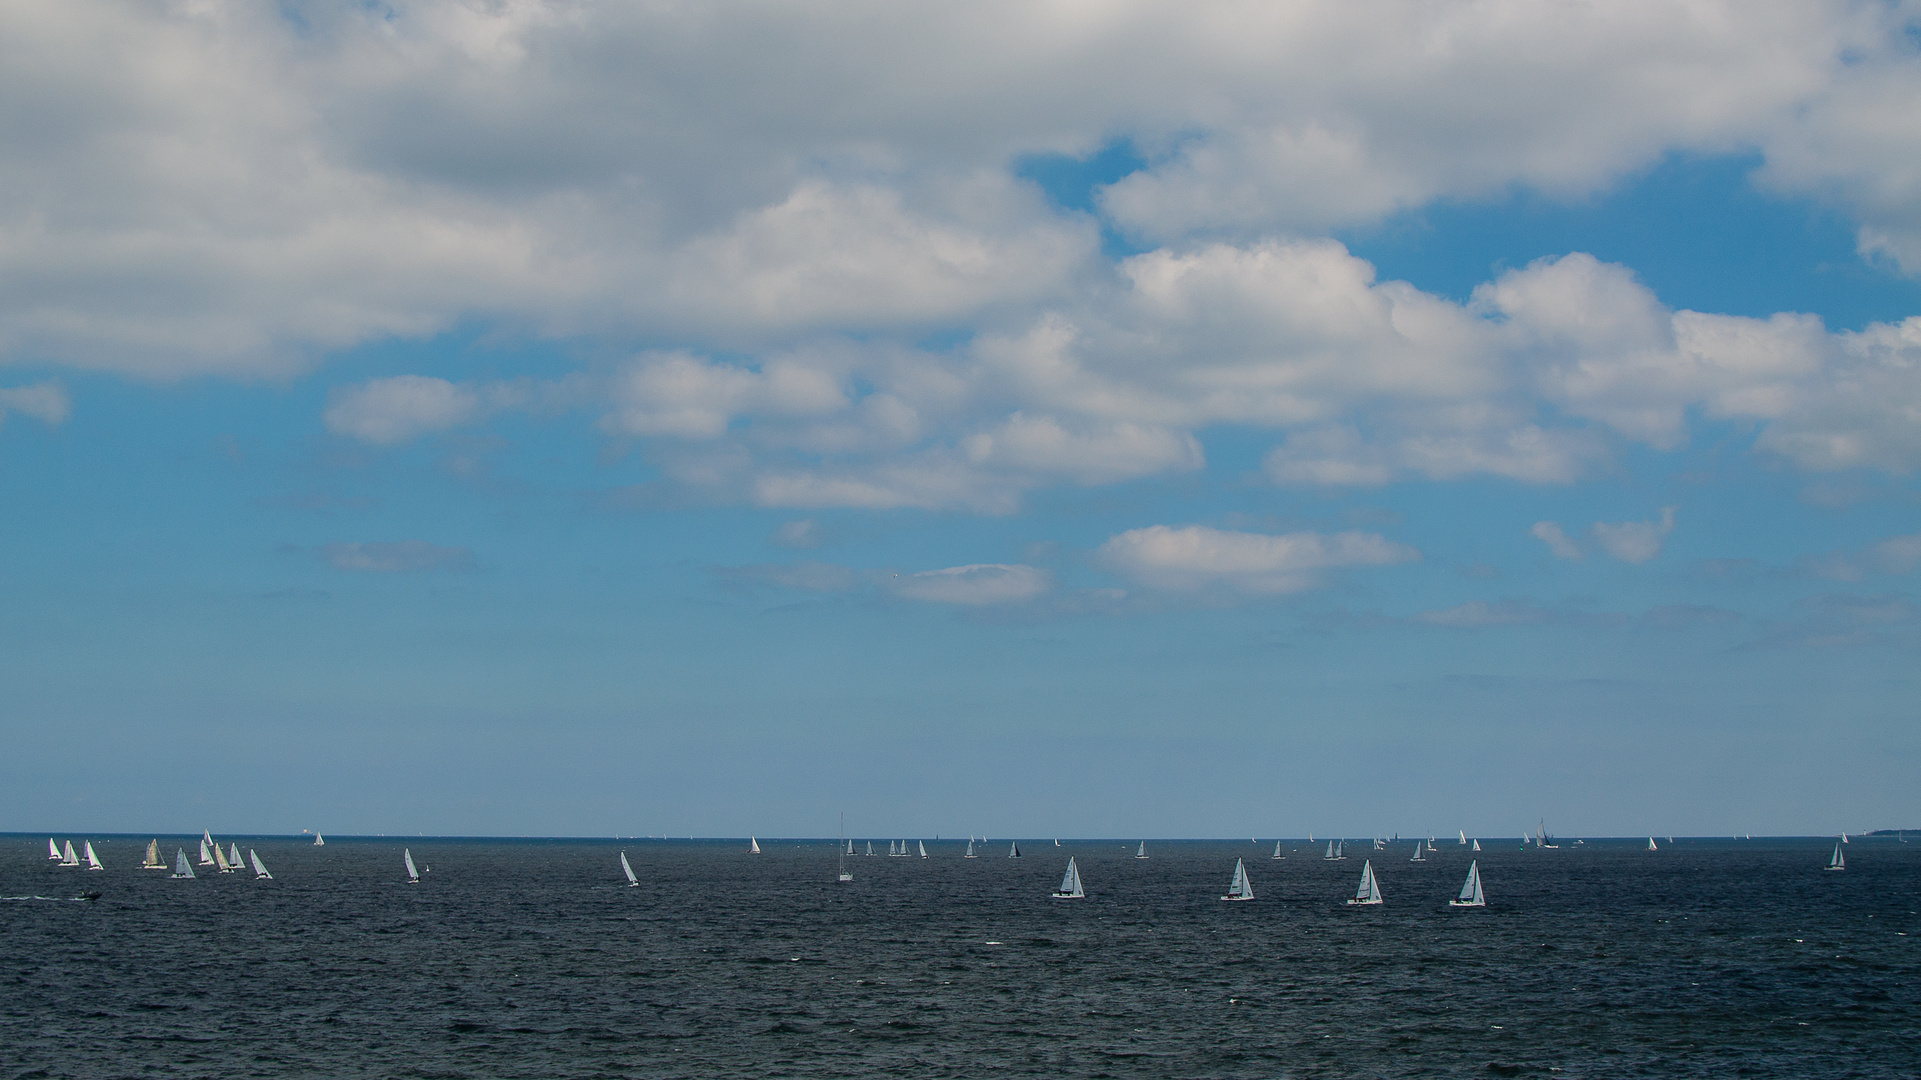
{"x": 534, "y": 958}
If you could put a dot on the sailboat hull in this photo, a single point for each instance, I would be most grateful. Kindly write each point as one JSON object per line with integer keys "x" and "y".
{"x": 1236, "y": 898}
{"x": 1362, "y": 903}
{"x": 1461, "y": 903}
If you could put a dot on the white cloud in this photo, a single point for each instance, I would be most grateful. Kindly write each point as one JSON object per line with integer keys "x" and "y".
{"x": 397, "y": 557}
{"x": 1557, "y": 540}
{"x": 45, "y": 401}
{"x": 1634, "y": 541}
{"x": 1198, "y": 557}
{"x": 799, "y": 533}
{"x": 977, "y": 585}
{"x": 387, "y": 412}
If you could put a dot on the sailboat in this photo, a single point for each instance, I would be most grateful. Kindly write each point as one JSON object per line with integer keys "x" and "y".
{"x": 1651, "y": 846}
{"x": 319, "y": 840}
{"x": 922, "y": 847}
{"x": 1141, "y": 852}
{"x": 1369, "y": 891}
{"x": 1240, "y": 888}
{"x": 1070, "y": 884}
{"x": 844, "y": 875}
{"x": 259, "y": 868}
{"x": 628, "y": 869}
{"x": 1541, "y": 837}
{"x": 180, "y": 867}
{"x": 1476, "y": 847}
{"x": 753, "y": 846}
{"x": 1014, "y": 849}
{"x": 153, "y": 857}
{"x": 93, "y": 861}
{"x": 1844, "y": 838}
{"x": 1329, "y": 857}
{"x": 69, "y": 858}
{"x": 870, "y": 848}
{"x": 1277, "y": 851}
{"x": 233, "y": 858}
{"x": 1840, "y": 861}
{"x": 1420, "y": 853}
{"x": 413, "y": 876}
{"x": 1463, "y": 836}
{"x": 970, "y": 850}
{"x": 1057, "y": 842}
{"x": 206, "y": 850}
{"x": 1430, "y": 844}
{"x": 1471, "y": 888}
{"x": 1380, "y": 844}
{"x": 53, "y": 850}
{"x": 220, "y": 860}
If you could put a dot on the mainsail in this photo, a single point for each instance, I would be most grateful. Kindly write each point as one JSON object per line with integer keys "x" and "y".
{"x": 1277, "y": 850}
{"x": 1840, "y": 861}
{"x": 259, "y": 868}
{"x": 1014, "y": 850}
{"x": 1369, "y": 891}
{"x": 1239, "y": 888}
{"x": 970, "y": 850}
{"x": 93, "y": 861}
{"x": 1471, "y": 888}
{"x": 233, "y": 857}
{"x": 753, "y": 846}
{"x": 180, "y": 867}
{"x": 1651, "y": 846}
{"x": 1141, "y": 852}
{"x": 220, "y": 860}
{"x": 1420, "y": 853}
{"x": 413, "y": 876}
{"x": 923, "y": 848}
{"x": 1070, "y": 883}
{"x": 319, "y": 840}
{"x": 53, "y": 849}
{"x": 69, "y": 858}
{"x": 628, "y": 869}
{"x": 153, "y": 857}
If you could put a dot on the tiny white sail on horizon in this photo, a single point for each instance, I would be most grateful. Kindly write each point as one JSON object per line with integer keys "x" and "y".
{"x": 1277, "y": 851}
{"x": 841, "y": 856}
{"x": 1839, "y": 861}
{"x": 207, "y": 848}
{"x": 93, "y": 861}
{"x": 1141, "y": 852}
{"x": 1369, "y": 891}
{"x": 1463, "y": 836}
{"x": 259, "y": 868}
{"x": 53, "y": 849}
{"x": 970, "y": 850}
{"x": 1470, "y": 889}
{"x": 1014, "y": 849}
{"x": 1651, "y": 846}
{"x": 923, "y": 848}
{"x": 319, "y": 840}
{"x": 628, "y": 869}
{"x": 180, "y": 867}
{"x": 1477, "y": 846}
{"x": 413, "y": 875}
{"x": 1070, "y": 883}
{"x": 1420, "y": 853}
{"x": 153, "y": 861}
{"x": 753, "y": 846}
{"x": 233, "y": 857}
{"x": 69, "y": 858}
{"x": 1239, "y": 888}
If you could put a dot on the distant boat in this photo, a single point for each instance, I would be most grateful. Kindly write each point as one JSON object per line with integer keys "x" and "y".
{"x": 1070, "y": 884}
{"x": 413, "y": 876}
{"x": 922, "y": 847}
{"x": 970, "y": 850}
{"x": 68, "y": 858}
{"x": 1330, "y": 852}
{"x": 1430, "y": 844}
{"x": 628, "y": 869}
{"x": 870, "y": 847}
{"x": 93, "y": 861}
{"x": 319, "y": 840}
{"x": 844, "y": 875}
{"x": 259, "y": 868}
{"x": 1420, "y": 853}
{"x": 1380, "y": 844}
{"x": 753, "y": 846}
{"x": 233, "y": 858}
{"x": 1057, "y": 842}
{"x": 1141, "y": 852}
{"x": 53, "y": 850}
{"x": 153, "y": 857}
{"x": 1541, "y": 837}
{"x": 1463, "y": 836}
{"x": 1369, "y": 891}
{"x": 180, "y": 867}
{"x": 206, "y": 852}
{"x": 1239, "y": 888}
{"x": 1014, "y": 849}
{"x": 1477, "y": 846}
{"x": 1840, "y": 861}
{"x": 1471, "y": 888}
{"x": 1651, "y": 846}
{"x": 1844, "y": 838}
{"x": 220, "y": 860}
{"x": 1277, "y": 851}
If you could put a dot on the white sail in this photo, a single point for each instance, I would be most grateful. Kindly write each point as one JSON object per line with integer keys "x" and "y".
{"x": 233, "y": 858}
{"x": 220, "y": 860}
{"x": 1141, "y": 852}
{"x": 1369, "y": 891}
{"x": 153, "y": 857}
{"x": 1651, "y": 846}
{"x": 1840, "y": 861}
{"x": 206, "y": 853}
{"x": 970, "y": 850}
{"x": 1463, "y": 836}
{"x": 1844, "y": 838}
{"x": 53, "y": 850}
{"x": 1070, "y": 884}
{"x": 1471, "y": 888}
{"x": 180, "y": 867}
{"x": 627, "y": 868}
{"x": 753, "y": 846}
{"x": 319, "y": 840}
{"x": 840, "y": 854}
{"x": 1330, "y": 851}
{"x": 68, "y": 858}
{"x": 413, "y": 876}
{"x": 923, "y": 848}
{"x": 1340, "y": 850}
{"x": 870, "y": 847}
{"x": 1277, "y": 850}
{"x": 93, "y": 861}
{"x": 850, "y": 847}
{"x": 1476, "y": 847}
{"x": 1014, "y": 849}
{"x": 1420, "y": 853}
{"x": 1239, "y": 888}
{"x": 259, "y": 868}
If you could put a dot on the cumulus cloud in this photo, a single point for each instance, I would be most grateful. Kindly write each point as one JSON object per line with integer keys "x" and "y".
{"x": 402, "y": 556}
{"x": 1197, "y": 557}
{"x": 1557, "y": 540}
{"x": 977, "y": 585}
{"x": 45, "y": 401}
{"x": 388, "y": 412}
{"x": 1634, "y": 541}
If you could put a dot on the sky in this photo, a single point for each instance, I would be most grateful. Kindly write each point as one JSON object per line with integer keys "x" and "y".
{"x": 1015, "y": 419}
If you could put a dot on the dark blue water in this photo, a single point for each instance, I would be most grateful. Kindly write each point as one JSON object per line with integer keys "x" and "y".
{"x": 533, "y": 959}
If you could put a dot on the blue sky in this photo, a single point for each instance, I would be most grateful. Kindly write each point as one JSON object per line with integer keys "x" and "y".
{"x": 463, "y": 420}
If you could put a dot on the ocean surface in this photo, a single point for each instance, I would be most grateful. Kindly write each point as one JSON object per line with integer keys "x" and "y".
{"x": 533, "y": 958}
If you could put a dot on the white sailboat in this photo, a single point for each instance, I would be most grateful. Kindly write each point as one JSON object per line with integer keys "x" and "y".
{"x": 1329, "y": 857}
{"x": 1541, "y": 837}
{"x": 844, "y": 875}
{"x": 1651, "y": 846}
{"x": 923, "y": 848}
{"x": 220, "y": 860}
{"x": 1430, "y": 844}
{"x": 259, "y": 868}
{"x": 233, "y": 857}
{"x": 1239, "y": 888}
{"x": 1476, "y": 847}
{"x": 53, "y": 850}
{"x": 1369, "y": 891}
{"x": 850, "y": 847}
{"x": 1277, "y": 851}
{"x": 753, "y": 846}
{"x": 1840, "y": 861}
{"x": 180, "y": 867}
{"x": 93, "y": 861}
{"x": 206, "y": 851}
{"x": 68, "y": 858}
{"x": 970, "y": 850}
{"x": 1014, "y": 849}
{"x": 628, "y": 869}
{"x": 1070, "y": 884}
{"x": 1463, "y": 836}
{"x": 1057, "y": 842}
{"x": 1141, "y": 852}
{"x": 870, "y": 848}
{"x": 319, "y": 840}
{"x": 153, "y": 857}
{"x": 413, "y": 876}
{"x": 1420, "y": 853}
{"x": 1844, "y": 838}
{"x": 1470, "y": 889}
